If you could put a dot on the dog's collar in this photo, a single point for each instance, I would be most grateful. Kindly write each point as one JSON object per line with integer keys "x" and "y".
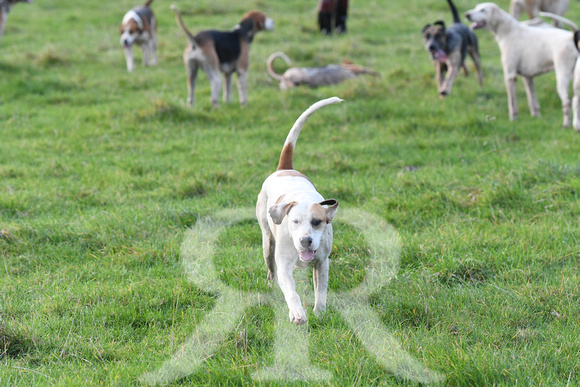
{"x": 135, "y": 16}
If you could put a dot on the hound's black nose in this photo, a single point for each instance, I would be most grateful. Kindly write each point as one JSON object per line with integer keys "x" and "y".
{"x": 305, "y": 241}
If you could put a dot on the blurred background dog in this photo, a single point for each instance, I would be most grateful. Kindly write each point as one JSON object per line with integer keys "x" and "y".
{"x": 332, "y": 16}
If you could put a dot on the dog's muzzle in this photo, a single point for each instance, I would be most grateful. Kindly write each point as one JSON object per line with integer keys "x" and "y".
{"x": 475, "y": 25}
{"x": 439, "y": 55}
{"x": 307, "y": 254}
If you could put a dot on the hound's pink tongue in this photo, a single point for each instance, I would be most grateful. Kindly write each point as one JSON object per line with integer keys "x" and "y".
{"x": 441, "y": 56}
{"x": 306, "y": 255}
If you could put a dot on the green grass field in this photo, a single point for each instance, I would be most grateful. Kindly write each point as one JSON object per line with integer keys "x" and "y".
{"x": 102, "y": 174}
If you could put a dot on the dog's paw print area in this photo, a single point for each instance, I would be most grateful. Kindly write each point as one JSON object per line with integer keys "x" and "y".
{"x": 349, "y": 257}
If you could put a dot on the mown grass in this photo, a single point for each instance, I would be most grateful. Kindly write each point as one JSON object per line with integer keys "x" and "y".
{"x": 102, "y": 172}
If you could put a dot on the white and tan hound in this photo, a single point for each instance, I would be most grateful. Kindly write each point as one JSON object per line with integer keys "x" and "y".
{"x": 140, "y": 27}
{"x": 296, "y": 225}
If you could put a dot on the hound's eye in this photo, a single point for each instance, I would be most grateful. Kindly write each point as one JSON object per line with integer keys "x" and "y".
{"x": 316, "y": 222}
{"x": 295, "y": 221}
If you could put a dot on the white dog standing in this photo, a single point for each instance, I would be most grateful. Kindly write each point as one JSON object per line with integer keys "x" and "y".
{"x": 528, "y": 51}
{"x": 296, "y": 225}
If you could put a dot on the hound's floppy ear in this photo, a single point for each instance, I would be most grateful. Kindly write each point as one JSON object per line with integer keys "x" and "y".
{"x": 279, "y": 211}
{"x": 577, "y": 39}
{"x": 425, "y": 28}
{"x": 331, "y": 209}
{"x": 440, "y": 23}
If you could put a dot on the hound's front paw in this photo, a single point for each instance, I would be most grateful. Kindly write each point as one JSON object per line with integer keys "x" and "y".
{"x": 297, "y": 315}
{"x": 319, "y": 310}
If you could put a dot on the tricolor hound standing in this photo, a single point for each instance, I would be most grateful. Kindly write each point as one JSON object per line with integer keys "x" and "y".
{"x": 295, "y": 222}
{"x": 226, "y": 51}
{"x": 5, "y": 6}
{"x": 139, "y": 26}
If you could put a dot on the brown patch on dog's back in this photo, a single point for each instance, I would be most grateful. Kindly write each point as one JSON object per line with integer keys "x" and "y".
{"x": 294, "y": 173}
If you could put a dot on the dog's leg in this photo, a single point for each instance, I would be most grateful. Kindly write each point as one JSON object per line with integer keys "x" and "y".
{"x": 228, "y": 88}
{"x": 510, "y": 85}
{"x": 516, "y": 9}
{"x": 3, "y": 18}
{"x": 146, "y": 47}
{"x": 452, "y": 72}
{"x": 153, "y": 43}
{"x": 439, "y": 73}
{"x": 268, "y": 245}
{"x": 129, "y": 59}
{"x": 533, "y": 103}
{"x": 192, "y": 69}
{"x": 576, "y": 108}
{"x": 562, "y": 83}
{"x": 576, "y": 99}
{"x": 465, "y": 70}
{"x": 477, "y": 60}
{"x": 242, "y": 84}
{"x": 268, "y": 241}
{"x": 285, "y": 262}
{"x": 320, "y": 278}
{"x": 153, "y": 50}
{"x": 215, "y": 81}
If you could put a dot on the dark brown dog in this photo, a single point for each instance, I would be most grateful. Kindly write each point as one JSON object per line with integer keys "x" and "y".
{"x": 222, "y": 51}
{"x": 332, "y": 16}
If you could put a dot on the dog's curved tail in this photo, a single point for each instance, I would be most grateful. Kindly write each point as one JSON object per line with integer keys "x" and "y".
{"x": 147, "y": 3}
{"x": 271, "y": 60}
{"x": 456, "y": 18}
{"x": 288, "y": 150}
{"x": 559, "y": 18}
{"x": 181, "y": 24}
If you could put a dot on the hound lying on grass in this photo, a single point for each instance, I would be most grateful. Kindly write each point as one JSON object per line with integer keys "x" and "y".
{"x": 315, "y": 76}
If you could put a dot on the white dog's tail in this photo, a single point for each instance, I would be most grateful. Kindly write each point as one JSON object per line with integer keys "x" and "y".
{"x": 288, "y": 150}
{"x": 181, "y": 24}
{"x": 271, "y": 59}
{"x": 561, "y": 19}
